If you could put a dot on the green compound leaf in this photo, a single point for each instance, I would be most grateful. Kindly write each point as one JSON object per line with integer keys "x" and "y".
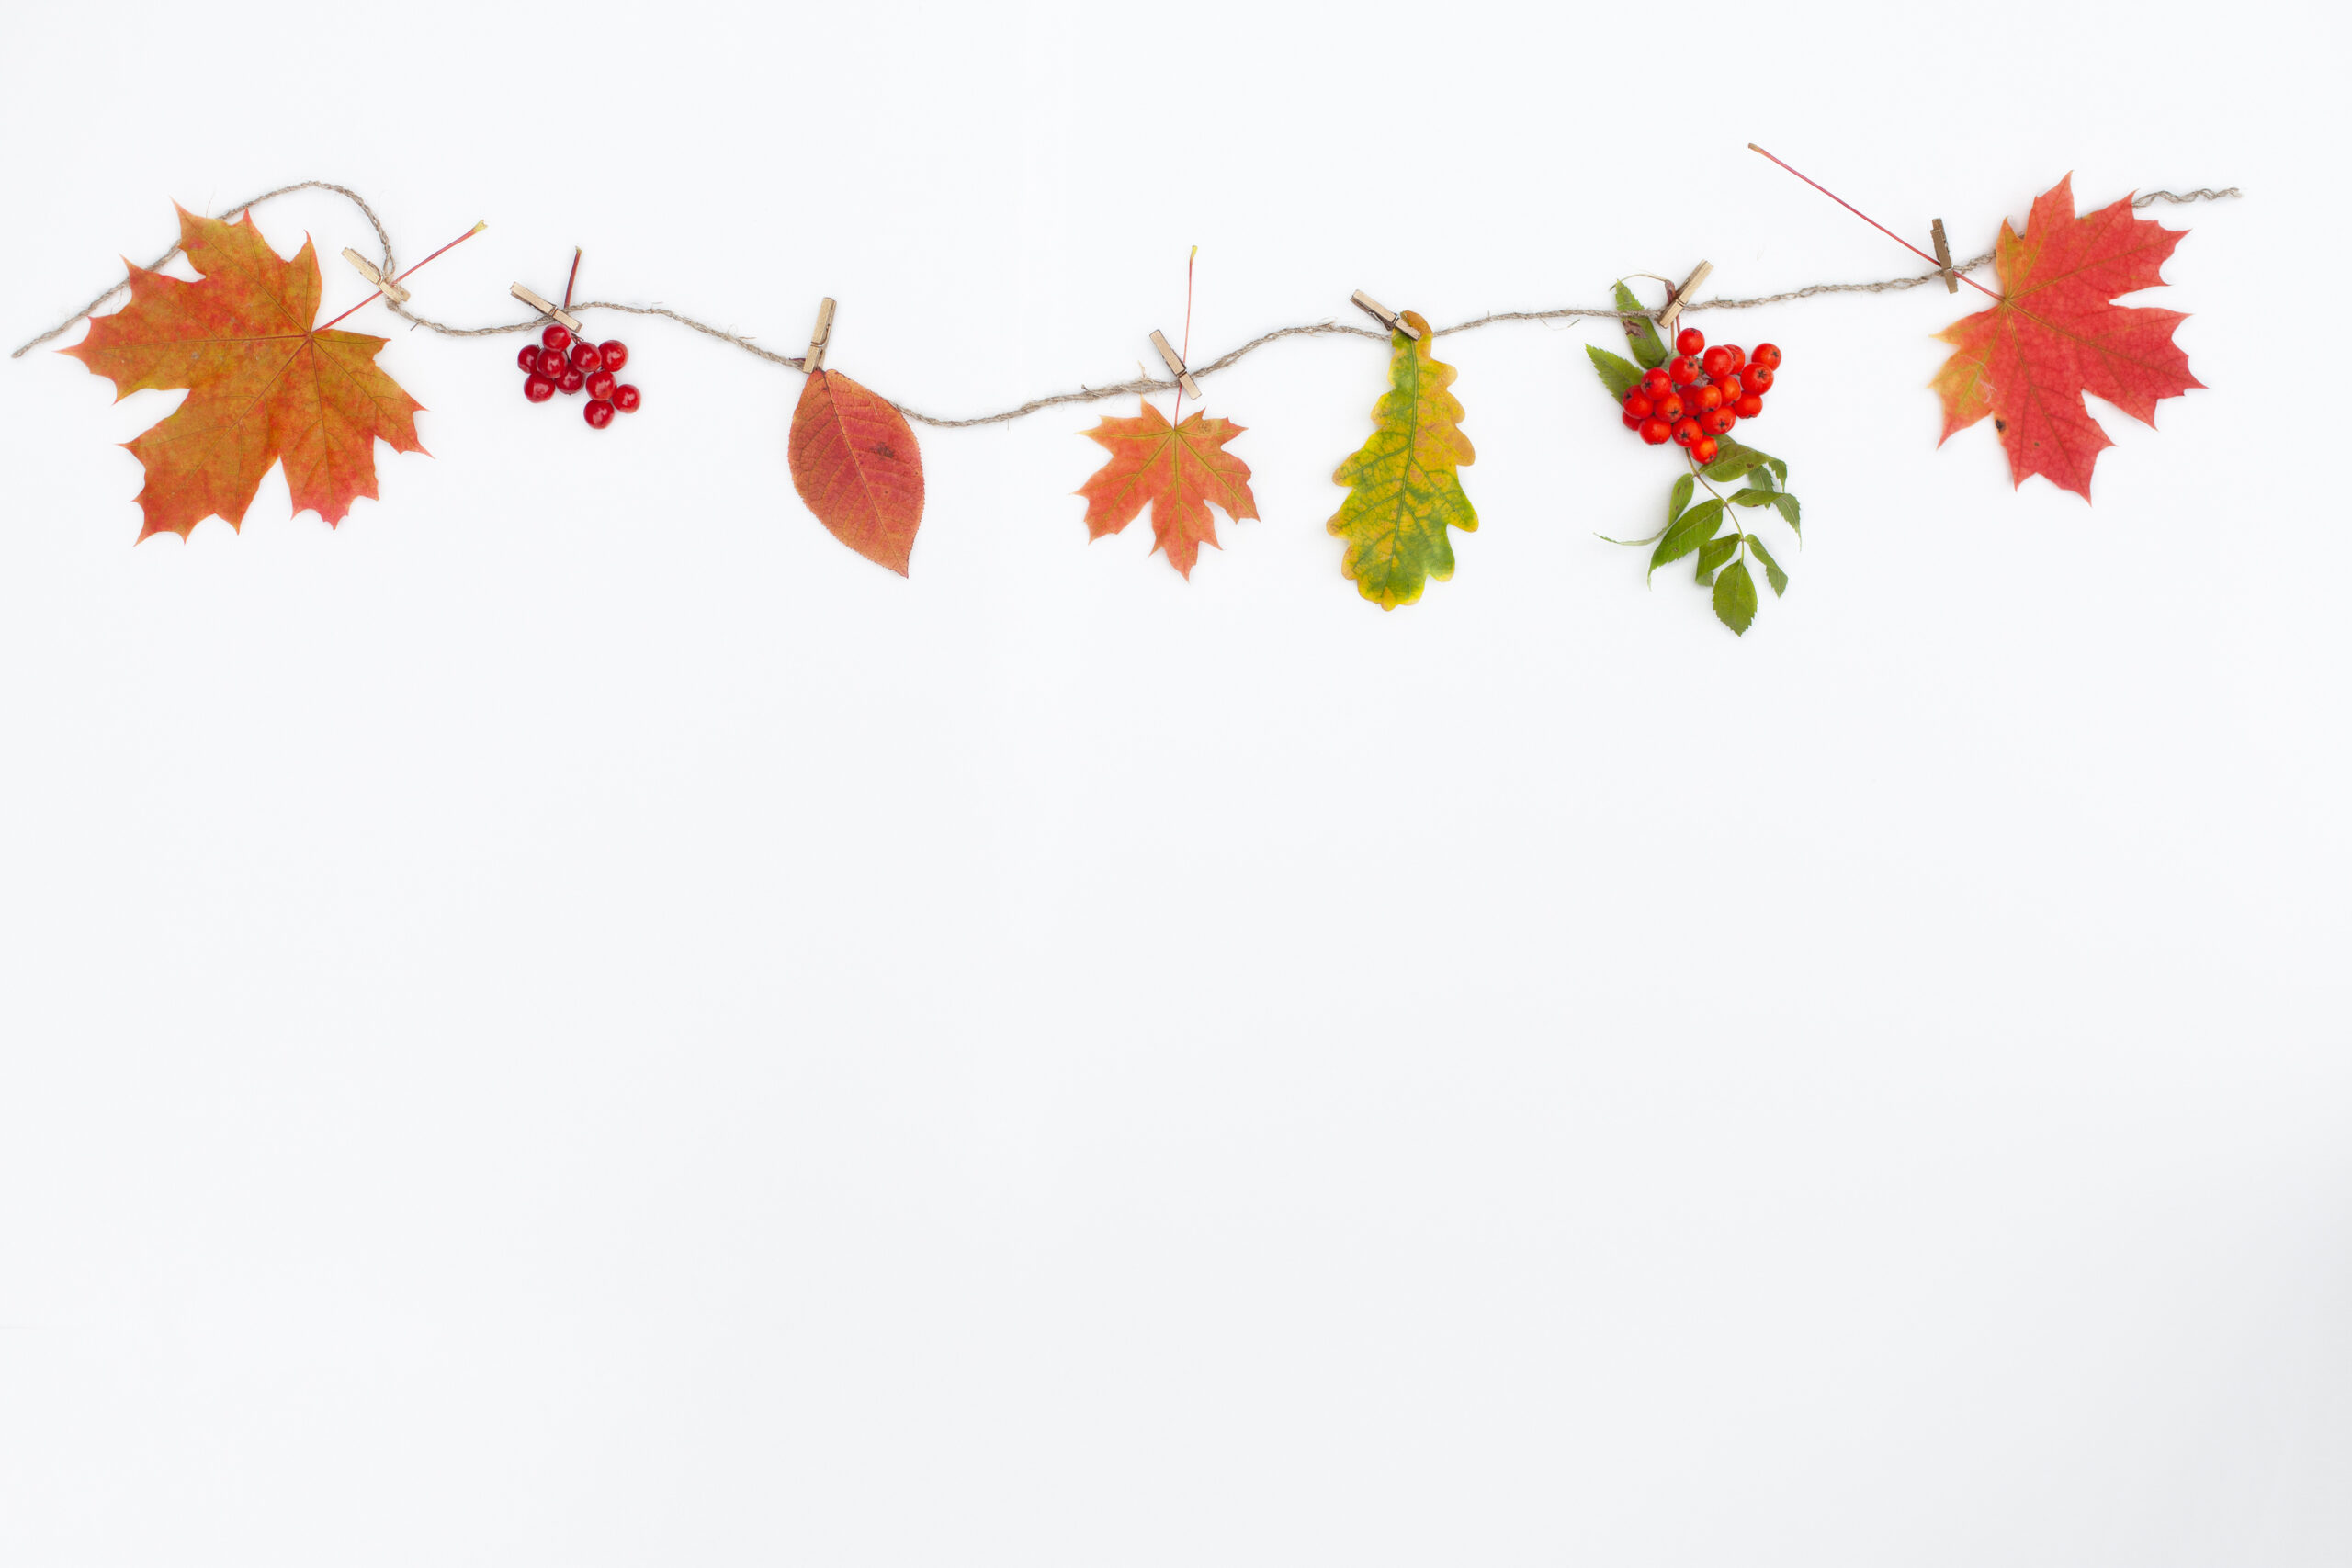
{"x": 1617, "y": 373}
{"x": 1735, "y": 598}
{"x": 1640, "y": 331}
{"x": 1679, "y": 499}
{"x": 1690, "y": 530}
{"x": 1402, "y": 490}
{"x": 1787, "y": 505}
{"x": 1713, "y": 554}
{"x": 1772, "y": 572}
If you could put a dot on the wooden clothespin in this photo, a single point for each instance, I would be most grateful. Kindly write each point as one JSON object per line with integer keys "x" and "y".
{"x": 1175, "y": 365}
{"x": 1381, "y": 313}
{"x": 1673, "y": 311}
{"x": 819, "y": 337}
{"x": 544, "y": 307}
{"x": 1943, "y": 260}
{"x": 384, "y": 286}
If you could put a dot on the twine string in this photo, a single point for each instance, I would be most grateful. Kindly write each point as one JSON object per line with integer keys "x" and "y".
{"x": 1142, "y": 385}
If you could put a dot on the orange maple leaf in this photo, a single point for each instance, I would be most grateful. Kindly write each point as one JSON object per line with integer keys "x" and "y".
{"x": 264, "y": 385}
{"x": 2057, "y": 335}
{"x": 1179, "y": 470}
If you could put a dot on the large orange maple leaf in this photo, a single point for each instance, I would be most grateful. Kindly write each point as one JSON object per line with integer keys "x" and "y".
{"x": 264, "y": 385}
{"x": 1180, "y": 470}
{"x": 2057, "y": 335}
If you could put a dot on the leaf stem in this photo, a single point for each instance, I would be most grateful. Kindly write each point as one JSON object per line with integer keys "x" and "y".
{"x": 1879, "y": 226}
{"x": 379, "y": 293}
{"x": 573, "y": 277}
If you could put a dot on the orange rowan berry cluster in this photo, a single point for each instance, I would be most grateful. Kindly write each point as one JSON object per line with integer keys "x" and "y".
{"x": 1701, "y": 393}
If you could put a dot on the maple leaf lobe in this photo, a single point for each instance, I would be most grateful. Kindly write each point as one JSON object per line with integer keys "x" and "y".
{"x": 264, "y": 388}
{"x": 1180, "y": 472}
{"x": 2056, "y": 335}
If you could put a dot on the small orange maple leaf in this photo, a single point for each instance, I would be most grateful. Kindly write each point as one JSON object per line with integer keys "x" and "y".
{"x": 2057, "y": 333}
{"x": 1179, "y": 470}
{"x": 264, "y": 385}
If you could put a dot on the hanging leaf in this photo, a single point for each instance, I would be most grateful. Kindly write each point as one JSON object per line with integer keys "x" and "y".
{"x": 856, "y": 465}
{"x": 264, "y": 386}
{"x": 1735, "y": 598}
{"x": 2057, "y": 333}
{"x": 1402, "y": 490}
{"x": 1617, "y": 373}
{"x": 1640, "y": 331}
{"x": 1180, "y": 472}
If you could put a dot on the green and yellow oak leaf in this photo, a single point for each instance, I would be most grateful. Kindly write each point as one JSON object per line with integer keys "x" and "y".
{"x": 1403, "y": 490}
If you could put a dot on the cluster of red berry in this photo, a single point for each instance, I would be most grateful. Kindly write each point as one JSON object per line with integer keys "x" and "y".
{"x": 561, "y": 364}
{"x": 1701, "y": 393}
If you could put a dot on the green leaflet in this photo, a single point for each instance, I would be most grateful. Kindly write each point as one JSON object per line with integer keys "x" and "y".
{"x": 1713, "y": 554}
{"x": 1772, "y": 572}
{"x": 1752, "y": 497}
{"x": 1681, "y": 497}
{"x": 1690, "y": 530}
{"x": 1735, "y": 598}
{"x": 1402, "y": 490}
{"x": 1789, "y": 509}
{"x": 1732, "y": 460}
{"x": 1640, "y": 331}
{"x": 1617, "y": 373}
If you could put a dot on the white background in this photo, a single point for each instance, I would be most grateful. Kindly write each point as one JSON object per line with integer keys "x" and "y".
{"x": 572, "y": 1021}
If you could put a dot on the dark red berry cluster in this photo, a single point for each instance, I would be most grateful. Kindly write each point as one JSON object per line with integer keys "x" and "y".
{"x": 1701, "y": 393}
{"x": 561, "y": 365}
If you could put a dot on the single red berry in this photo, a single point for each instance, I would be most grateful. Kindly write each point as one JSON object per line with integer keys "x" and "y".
{"x": 1655, "y": 385}
{"x": 1690, "y": 340}
{"x": 1767, "y": 354}
{"x": 626, "y": 398}
{"x": 552, "y": 364}
{"x": 538, "y": 388}
{"x": 585, "y": 356}
{"x": 1686, "y": 431}
{"x": 1749, "y": 406}
{"x": 1632, "y": 422}
{"x": 1738, "y": 354}
{"x": 1656, "y": 432}
{"x": 1716, "y": 362}
{"x": 598, "y": 413}
{"x": 616, "y": 353}
{"x": 1703, "y": 450}
{"x": 1637, "y": 405}
{"x": 1682, "y": 370}
{"x": 1669, "y": 408}
{"x": 600, "y": 384}
{"x": 556, "y": 338}
{"x": 528, "y": 361}
{"x": 1732, "y": 388}
{"x": 570, "y": 381}
{"x": 1699, "y": 400}
{"x": 1760, "y": 377}
{"x": 1718, "y": 422}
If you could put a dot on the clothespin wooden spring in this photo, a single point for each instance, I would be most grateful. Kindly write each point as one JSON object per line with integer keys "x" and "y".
{"x": 1673, "y": 310}
{"x": 1175, "y": 365}
{"x": 1943, "y": 260}
{"x": 384, "y": 286}
{"x": 1382, "y": 314}
{"x": 822, "y": 334}
{"x": 545, "y": 307}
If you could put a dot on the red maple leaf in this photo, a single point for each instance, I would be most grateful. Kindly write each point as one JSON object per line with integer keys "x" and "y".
{"x": 2057, "y": 335}
{"x": 1180, "y": 470}
{"x": 264, "y": 385}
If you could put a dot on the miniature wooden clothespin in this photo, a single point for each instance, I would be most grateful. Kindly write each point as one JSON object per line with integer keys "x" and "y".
{"x": 1943, "y": 260}
{"x": 1673, "y": 310}
{"x": 1175, "y": 365}
{"x": 384, "y": 286}
{"x": 544, "y": 307}
{"x": 1382, "y": 314}
{"x": 817, "y": 338}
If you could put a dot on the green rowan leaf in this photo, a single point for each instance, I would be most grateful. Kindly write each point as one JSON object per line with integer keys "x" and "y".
{"x": 1694, "y": 528}
{"x": 1403, "y": 490}
{"x": 1679, "y": 498}
{"x": 1772, "y": 572}
{"x": 1752, "y": 497}
{"x": 1617, "y": 373}
{"x": 1735, "y": 598}
{"x": 1789, "y": 509}
{"x": 1640, "y": 331}
{"x": 1733, "y": 460}
{"x": 1713, "y": 553}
